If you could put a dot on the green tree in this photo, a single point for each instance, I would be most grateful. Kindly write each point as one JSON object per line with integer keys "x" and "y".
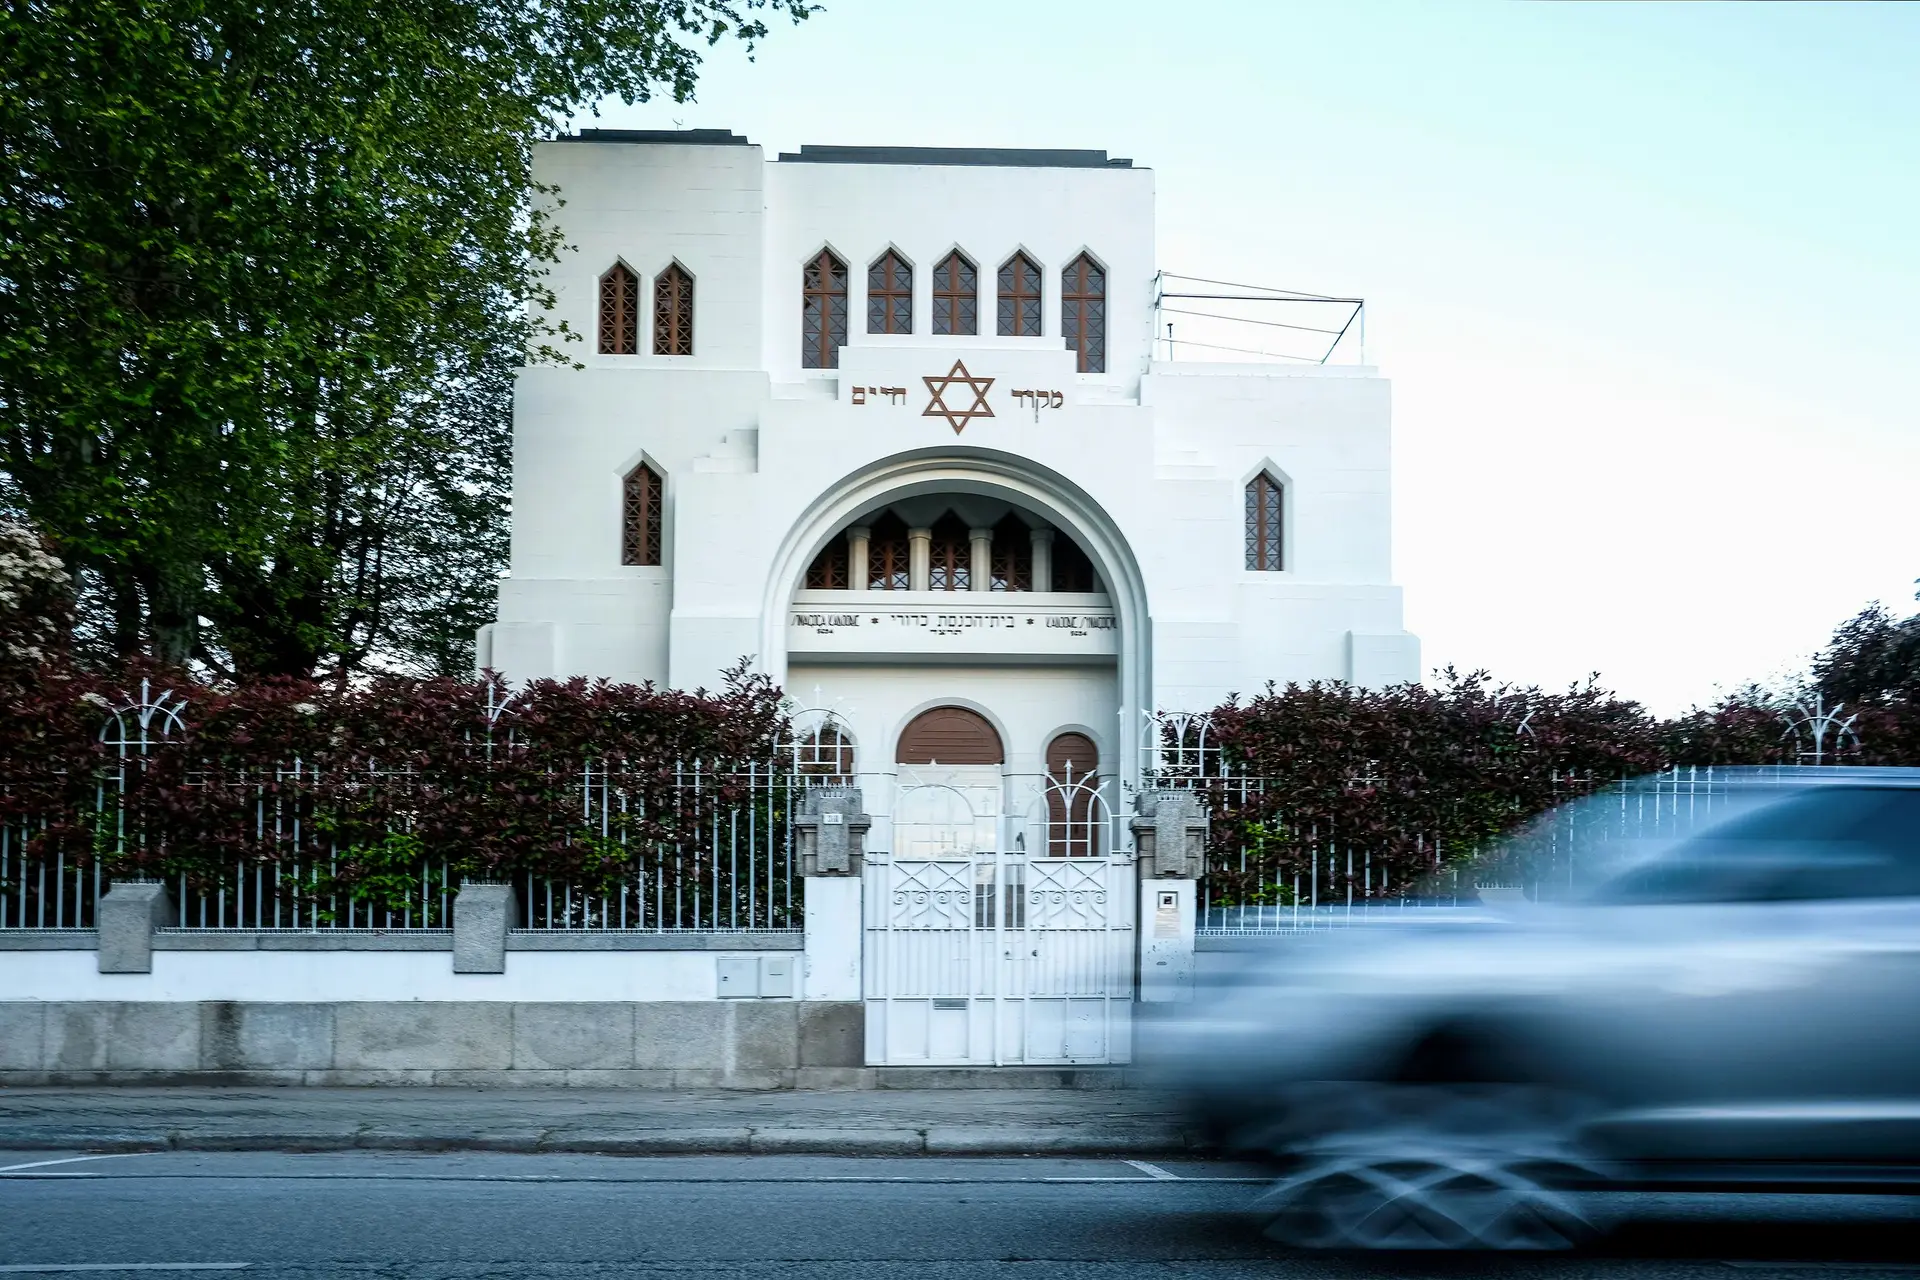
{"x": 265, "y": 273}
{"x": 1873, "y": 657}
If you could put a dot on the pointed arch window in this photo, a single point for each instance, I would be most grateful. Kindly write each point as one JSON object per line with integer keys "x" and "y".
{"x": 951, "y": 563}
{"x": 890, "y": 295}
{"x": 1019, "y": 298}
{"x": 641, "y": 522}
{"x": 1083, "y": 312}
{"x": 1012, "y": 559}
{"x": 619, "y": 312}
{"x": 673, "y": 312}
{"x": 1265, "y": 507}
{"x": 956, "y": 295}
{"x": 823, "y": 312}
{"x": 887, "y": 552}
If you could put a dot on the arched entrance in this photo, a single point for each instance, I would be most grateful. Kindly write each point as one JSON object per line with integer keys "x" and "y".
{"x": 1051, "y": 563}
{"x": 994, "y": 937}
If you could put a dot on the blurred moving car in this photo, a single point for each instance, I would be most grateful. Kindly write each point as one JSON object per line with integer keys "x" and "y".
{"x": 1740, "y": 1010}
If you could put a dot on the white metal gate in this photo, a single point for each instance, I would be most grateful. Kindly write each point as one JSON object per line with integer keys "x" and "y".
{"x": 981, "y": 949}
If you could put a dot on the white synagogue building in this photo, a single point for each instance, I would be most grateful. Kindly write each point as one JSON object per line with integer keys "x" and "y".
{"x": 896, "y": 424}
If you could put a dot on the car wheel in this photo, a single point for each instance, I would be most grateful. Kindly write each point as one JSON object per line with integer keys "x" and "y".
{"x": 1440, "y": 1169}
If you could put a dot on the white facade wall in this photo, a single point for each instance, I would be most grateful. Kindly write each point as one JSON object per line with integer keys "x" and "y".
{"x": 335, "y": 976}
{"x": 764, "y": 461}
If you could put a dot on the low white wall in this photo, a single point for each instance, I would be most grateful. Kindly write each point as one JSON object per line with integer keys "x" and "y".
{"x": 331, "y": 976}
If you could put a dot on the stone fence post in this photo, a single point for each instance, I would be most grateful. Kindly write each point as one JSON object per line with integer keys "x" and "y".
{"x": 128, "y": 914}
{"x": 830, "y": 837}
{"x": 483, "y": 911}
{"x": 1170, "y": 837}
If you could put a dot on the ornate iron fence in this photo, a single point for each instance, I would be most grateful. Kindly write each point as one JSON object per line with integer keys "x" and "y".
{"x": 720, "y": 859}
{"x": 1278, "y": 874}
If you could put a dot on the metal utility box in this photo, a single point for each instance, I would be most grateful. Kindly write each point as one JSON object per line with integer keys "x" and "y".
{"x": 739, "y": 977}
{"x": 776, "y": 976}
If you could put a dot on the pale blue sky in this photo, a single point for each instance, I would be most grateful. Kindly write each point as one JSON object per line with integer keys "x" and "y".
{"x": 1645, "y": 277}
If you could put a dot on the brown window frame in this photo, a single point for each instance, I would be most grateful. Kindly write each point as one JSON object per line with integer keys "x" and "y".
{"x": 823, "y": 284}
{"x": 1083, "y": 308}
{"x": 1266, "y": 527}
{"x": 893, "y": 297}
{"x": 619, "y": 326}
{"x": 832, "y": 569}
{"x": 642, "y": 516}
{"x": 956, "y": 297}
{"x": 889, "y": 555}
{"x": 1010, "y": 293}
{"x": 673, "y": 311}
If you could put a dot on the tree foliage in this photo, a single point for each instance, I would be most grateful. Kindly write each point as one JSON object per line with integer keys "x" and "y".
{"x": 373, "y": 781}
{"x": 1412, "y": 775}
{"x": 265, "y": 273}
{"x": 1873, "y": 659}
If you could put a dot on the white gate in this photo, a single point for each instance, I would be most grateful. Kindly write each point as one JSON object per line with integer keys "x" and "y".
{"x": 981, "y": 947}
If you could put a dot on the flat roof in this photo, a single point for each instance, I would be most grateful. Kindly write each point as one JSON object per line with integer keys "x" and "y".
{"x": 669, "y": 137}
{"x": 1003, "y": 157}
{"x": 1009, "y": 157}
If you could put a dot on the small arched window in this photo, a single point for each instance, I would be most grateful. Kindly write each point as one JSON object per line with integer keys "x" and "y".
{"x": 1019, "y": 298}
{"x": 1265, "y": 505}
{"x": 949, "y": 735}
{"x": 956, "y": 296}
{"x": 828, "y": 572}
{"x": 890, "y": 295}
{"x": 619, "y": 312}
{"x": 823, "y": 312}
{"x": 825, "y": 754}
{"x": 640, "y": 522}
{"x": 1083, "y": 312}
{"x": 1073, "y": 779}
{"x": 673, "y": 312}
{"x": 887, "y": 552}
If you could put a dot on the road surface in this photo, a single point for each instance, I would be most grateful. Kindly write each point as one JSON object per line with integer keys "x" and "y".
{"x": 401, "y": 1216}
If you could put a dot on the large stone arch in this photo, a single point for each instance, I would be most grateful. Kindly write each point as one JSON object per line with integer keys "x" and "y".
{"x": 996, "y": 474}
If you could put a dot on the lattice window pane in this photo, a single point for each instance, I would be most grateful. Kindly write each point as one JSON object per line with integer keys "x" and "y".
{"x": 673, "y": 312}
{"x": 619, "y": 312}
{"x": 1019, "y": 310}
{"x": 1264, "y": 527}
{"x": 829, "y": 570}
{"x": 641, "y": 517}
{"x": 890, "y": 295}
{"x": 823, "y": 312}
{"x": 1083, "y": 312}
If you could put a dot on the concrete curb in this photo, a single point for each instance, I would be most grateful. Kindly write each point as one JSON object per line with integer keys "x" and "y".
{"x": 1051, "y": 1140}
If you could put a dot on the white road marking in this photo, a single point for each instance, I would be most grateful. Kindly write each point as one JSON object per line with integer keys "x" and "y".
{"x": 48, "y": 1268}
{"x": 44, "y": 1164}
{"x": 1153, "y": 1171}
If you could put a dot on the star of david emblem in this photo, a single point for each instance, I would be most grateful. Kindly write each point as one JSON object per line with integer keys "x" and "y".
{"x": 937, "y": 407}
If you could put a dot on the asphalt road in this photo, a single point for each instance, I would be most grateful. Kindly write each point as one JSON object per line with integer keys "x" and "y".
{"x": 398, "y": 1216}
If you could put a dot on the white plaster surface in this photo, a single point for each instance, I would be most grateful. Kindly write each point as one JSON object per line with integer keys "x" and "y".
{"x": 753, "y": 447}
{"x": 319, "y": 976}
{"x": 831, "y": 967}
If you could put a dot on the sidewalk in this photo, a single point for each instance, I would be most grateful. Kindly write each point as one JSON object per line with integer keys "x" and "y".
{"x": 613, "y": 1121}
